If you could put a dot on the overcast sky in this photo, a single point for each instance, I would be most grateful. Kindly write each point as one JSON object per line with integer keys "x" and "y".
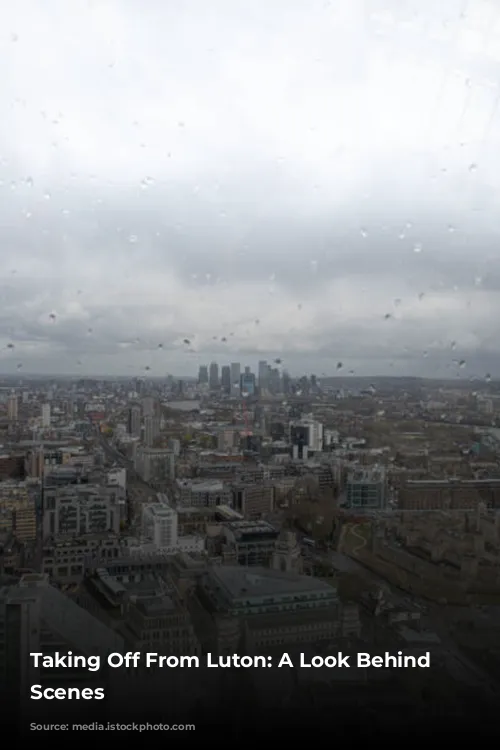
{"x": 315, "y": 181}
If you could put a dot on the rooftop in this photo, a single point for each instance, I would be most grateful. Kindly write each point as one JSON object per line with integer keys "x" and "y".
{"x": 236, "y": 582}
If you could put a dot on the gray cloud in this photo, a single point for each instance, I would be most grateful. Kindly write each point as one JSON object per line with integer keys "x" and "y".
{"x": 317, "y": 183}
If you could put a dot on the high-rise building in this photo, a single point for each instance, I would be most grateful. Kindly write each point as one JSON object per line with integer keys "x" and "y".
{"x": 203, "y": 375}
{"x": 263, "y": 373}
{"x": 12, "y": 410}
{"x": 247, "y": 385}
{"x": 45, "y": 415}
{"x": 151, "y": 430}
{"x": 213, "y": 377}
{"x": 134, "y": 421}
{"x": 235, "y": 377}
{"x": 225, "y": 379}
{"x": 306, "y": 435}
{"x": 148, "y": 406}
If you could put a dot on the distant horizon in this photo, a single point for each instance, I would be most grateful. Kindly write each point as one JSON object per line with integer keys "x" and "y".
{"x": 339, "y": 378}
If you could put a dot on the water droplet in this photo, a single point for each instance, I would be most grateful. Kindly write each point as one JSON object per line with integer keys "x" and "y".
{"x": 10, "y": 346}
{"x": 14, "y": 37}
{"x": 426, "y": 353}
{"x": 397, "y": 302}
{"x": 462, "y": 363}
{"x": 402, "y": 235}
{"x": 46, "y": 196}
{"x": 314, "y": 266}
{"x": 272, "y": 277}
{"x": 187, "y": 342}
{"x": 363, "y": 232}
{"x": 339, "y": 365}
{"x": 257, "y": 322}
{"x": 453, "y": 345}
{"x": 65, "y": 212}
{"x": 387, "y": 316}
{"x": 478, "y": 281}
{"x": 488, "y": 377}
{"x": 29, "y": 181}
{"x": 417, "y": 247}
{"x": 27, "y": 214}
{"x": 132, "y": 239}
{"x": 408, "y": 225}
{"x": 451, "y": 228}
{"x": 421, "y": 296}
{"x": 299, "y": 306}
{"x": 472, "y": 167}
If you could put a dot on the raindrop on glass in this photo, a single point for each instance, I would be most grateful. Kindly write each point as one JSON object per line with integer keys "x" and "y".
{"x": 29, "y": 181}
{"x": 488, "y": 377}
{"x": 132, "y": 239}
{"x": 417, "y": 247}
{"x": 46, "y": 196}
{"x": 451, "y": 228}
{"x": 363, "y": 232}
{"x": 462, "y": 363}
{"x": 472, "y": 167}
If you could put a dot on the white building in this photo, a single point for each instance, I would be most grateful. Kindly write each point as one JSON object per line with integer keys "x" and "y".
{"x": 160, "y": 531}
{"x": 160, "y": 525}
{"x": 45, "y": 415}
{"x": 306, "y": 435}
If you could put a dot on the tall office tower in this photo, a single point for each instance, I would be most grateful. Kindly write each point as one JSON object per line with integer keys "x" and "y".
{"x": 12, "y": 410}
{"x": 45, "y": 415}
{"x": 225, "y": 378}
{"x": 134, "y": 421}
{"x": 148, "y": 406}
{"x": 286, "y": 383}
{"x": 247, "y": 381}
{"x": 151, "y": 430}
{"x": 263, "y": 372}
{"x": 235, "y": 376}
{"x": 213, "y": 378}
{"x": 203, "y": 375}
